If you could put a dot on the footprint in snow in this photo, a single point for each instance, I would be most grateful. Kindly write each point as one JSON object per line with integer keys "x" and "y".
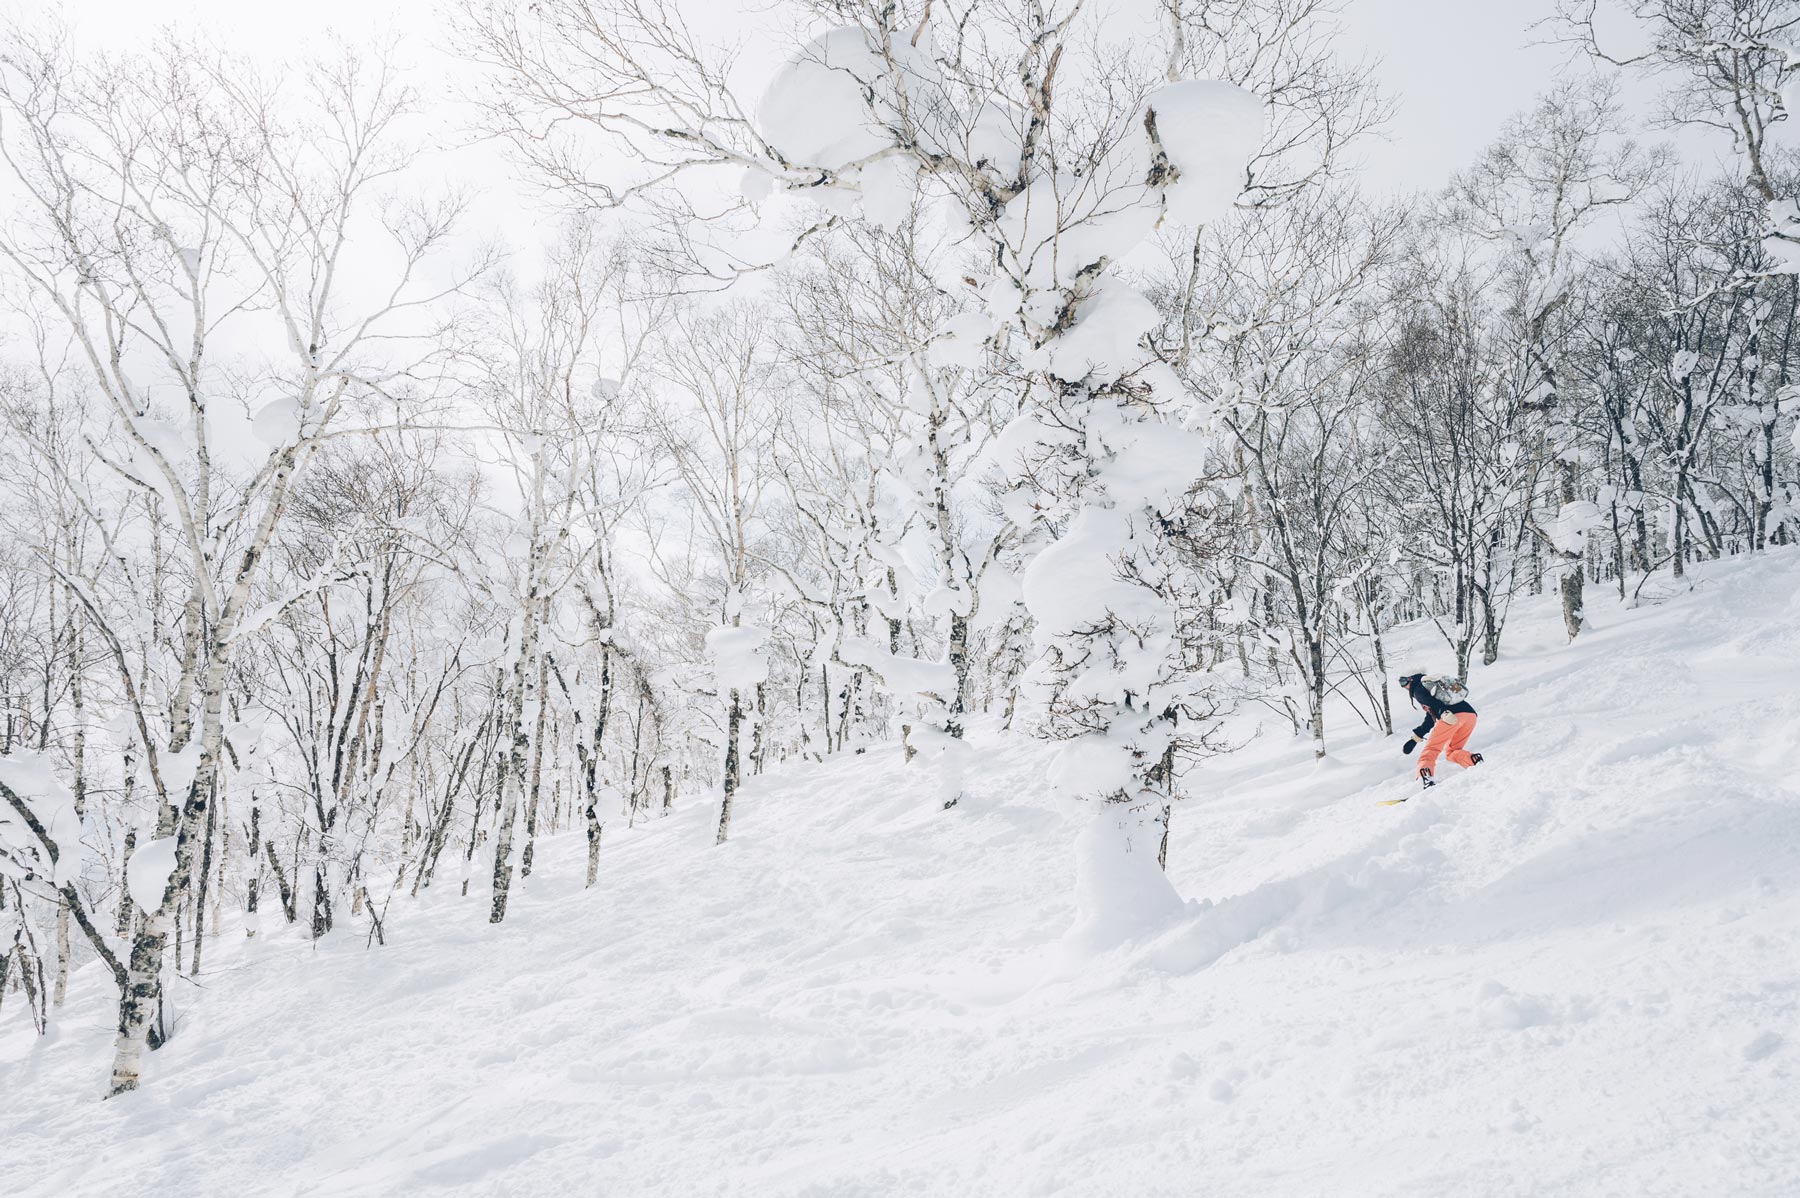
{"x": 1764, "y": 1045}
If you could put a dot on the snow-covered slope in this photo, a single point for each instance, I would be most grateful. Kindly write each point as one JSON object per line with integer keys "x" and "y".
{"x": 1571, "y": 971}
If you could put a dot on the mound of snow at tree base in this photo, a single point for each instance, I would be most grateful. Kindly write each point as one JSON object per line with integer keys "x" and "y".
{"x": 1571, "y": 971}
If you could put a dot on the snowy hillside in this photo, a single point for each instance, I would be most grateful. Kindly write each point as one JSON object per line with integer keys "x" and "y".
{"x": 1572, "y": 971}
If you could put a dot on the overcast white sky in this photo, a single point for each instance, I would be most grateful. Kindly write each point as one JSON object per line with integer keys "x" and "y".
{"x": 1457, "y": 68}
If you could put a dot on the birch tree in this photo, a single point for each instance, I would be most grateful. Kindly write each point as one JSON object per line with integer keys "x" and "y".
{"x": 175, "y": 205}
{"x": 1546, "y": 179}
{"x": 714, "y": 419}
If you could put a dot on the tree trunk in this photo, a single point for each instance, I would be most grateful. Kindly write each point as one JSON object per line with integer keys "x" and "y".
{"x": 537, "y": 772}
{"x": 1315, "y": 660}
{"x": 321, "y": 891}
{"x": 61, "y": 987}
{"x": 733, "y": 717}
{"x": 1573, "y": 564}
{"x": 1366, "y": 602}
{"x": 123, "y": 927}
{"x": 1490, "y": 630}
{"x": 206, "y": 855}
{"x": 253, "y": 871}
{"x": 138, "y": 1000}
{"x": 593, "y": 843}
{"x": 1162, "y": 778}
{"x": 758, "y": 744}
{"x": 957, "y": 649}
{"x": 513, "y": 769}
{"x": 78, "y": 761}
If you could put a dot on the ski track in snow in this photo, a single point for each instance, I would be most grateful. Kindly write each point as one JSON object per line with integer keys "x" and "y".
{"x": 1572, "y": 970}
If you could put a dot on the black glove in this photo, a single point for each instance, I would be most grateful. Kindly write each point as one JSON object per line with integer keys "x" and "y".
{"x": 1409, "y": 746}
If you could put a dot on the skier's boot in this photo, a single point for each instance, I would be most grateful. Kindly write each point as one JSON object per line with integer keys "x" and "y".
{"x": 1474, "y": 758}
{"x": 1426, "y": 780}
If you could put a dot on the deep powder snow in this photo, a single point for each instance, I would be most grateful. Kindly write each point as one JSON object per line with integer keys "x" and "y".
{"x": 1571, "y": 971}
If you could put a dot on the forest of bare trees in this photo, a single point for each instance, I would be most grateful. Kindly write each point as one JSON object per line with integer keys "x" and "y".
{"x": 990, "y": 367}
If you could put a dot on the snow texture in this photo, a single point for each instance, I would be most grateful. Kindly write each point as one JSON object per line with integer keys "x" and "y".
{"x": 1121, "y": 893}
{"x": 276, "y": 424}
{"x": 738, "y": 655}
{"x": 1075, "y": 583}
{"x": 32, "y": 777}
{"x": 814, "y": 112}
{"x": 1567, "y": 971}
{"x": 1209, "y": 130}
{"x": 839, "y": 105}
{"x": 1574, "y": 522}
{"x": 1783, "y": 242}
{"x": 905, "y": 675}
{"x": 1109, "y": 322}
{"x": 147, "y": 873}
{"x": 962, "y": 341}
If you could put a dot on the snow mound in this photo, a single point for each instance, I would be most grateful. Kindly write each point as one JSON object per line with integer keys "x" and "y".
{"x": 1210, "y": 130}
{"x": 843, "y": 104}
{"x": 739, "y": 654}
{"x": 31, "y": 777}
{"x": 147, "y": 873}
{"x": 817, "y": 110}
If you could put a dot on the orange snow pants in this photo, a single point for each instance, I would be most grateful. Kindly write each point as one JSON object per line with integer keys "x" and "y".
{"x": 1448, "y": 739}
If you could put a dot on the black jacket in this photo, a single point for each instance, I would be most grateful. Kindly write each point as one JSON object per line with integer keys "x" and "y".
{"x": 1434, "y": 706}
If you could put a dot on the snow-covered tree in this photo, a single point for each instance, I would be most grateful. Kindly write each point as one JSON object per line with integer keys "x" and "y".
{"x": 175, "y": 207}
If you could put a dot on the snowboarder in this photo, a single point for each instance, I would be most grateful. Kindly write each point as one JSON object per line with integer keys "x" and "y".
{"x": 1449, "y": 722}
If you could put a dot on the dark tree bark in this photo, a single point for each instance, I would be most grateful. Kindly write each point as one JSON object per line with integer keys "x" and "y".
{"x": 734, "y": 717}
